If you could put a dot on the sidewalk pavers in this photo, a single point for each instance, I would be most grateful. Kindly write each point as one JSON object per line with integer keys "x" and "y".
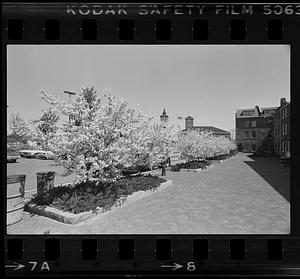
{"x": 230, "y": 198}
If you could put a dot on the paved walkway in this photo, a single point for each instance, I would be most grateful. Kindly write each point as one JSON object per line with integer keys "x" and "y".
{"x": 229, "y": 198}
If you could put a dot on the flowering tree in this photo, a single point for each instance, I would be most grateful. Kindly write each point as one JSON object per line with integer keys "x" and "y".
{"x": 46, "y": 128}
{"x": 20, "y": 130}
{"x": 193, "y": 144}
{"x": 222, "y": 146}
{"x": 161, "y": 144}
{"x": 102, "y": 136}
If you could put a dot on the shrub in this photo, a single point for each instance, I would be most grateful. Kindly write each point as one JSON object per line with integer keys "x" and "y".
{"x": 195, "y": 165}
{"x": 89, "y": 195}
{"x": 220, "y": 157}
{"x": 135, "y": 169}
{"x": 175, "y": 167}
{"x": 190, "y": 165}
{"x": 132, "y": 184}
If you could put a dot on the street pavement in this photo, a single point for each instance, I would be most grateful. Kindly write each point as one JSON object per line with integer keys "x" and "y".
{"x": 30, "y": 167}
{"x": 231, "y": 197}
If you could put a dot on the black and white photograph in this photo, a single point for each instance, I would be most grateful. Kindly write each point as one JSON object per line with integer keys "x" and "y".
{"x": 148, "y": 139}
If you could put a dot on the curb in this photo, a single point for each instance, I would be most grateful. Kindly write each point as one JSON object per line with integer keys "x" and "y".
{"x": 197, "y": 170}
{"x": 73, "y": 218}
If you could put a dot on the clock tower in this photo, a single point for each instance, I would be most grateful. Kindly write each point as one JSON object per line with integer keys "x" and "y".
{"x": 164, "y": 117}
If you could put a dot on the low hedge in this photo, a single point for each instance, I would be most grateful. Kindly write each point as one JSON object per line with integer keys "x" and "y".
{"x": 135, "y": 169}
{"x": 190, "y": 165}
{"x": 89, "y": 195}
{"x": 219, "y": 157}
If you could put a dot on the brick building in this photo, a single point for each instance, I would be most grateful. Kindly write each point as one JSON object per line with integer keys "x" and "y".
{"x": 282, "y": 129}
{"x": 189, "y": 124}
{"x": 254, "y": 129}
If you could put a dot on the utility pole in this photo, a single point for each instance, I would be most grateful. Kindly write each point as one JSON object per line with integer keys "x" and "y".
{"x": 70, "y": 94}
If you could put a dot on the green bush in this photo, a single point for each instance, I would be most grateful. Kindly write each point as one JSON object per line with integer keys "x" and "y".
{"x": 135, "y": 169}
{"x": 128, "y": 185}
{"x": 89, "y": 195}
{"x": 175, "y": 167}
{"x": 219, "y": 157}
{"x": 190, "y": 165}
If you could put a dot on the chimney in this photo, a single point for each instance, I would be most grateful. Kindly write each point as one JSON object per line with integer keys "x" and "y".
{"x": 257, "y": 109}
{"x": 282, "y": 101}
{"x": 189, "y": 122}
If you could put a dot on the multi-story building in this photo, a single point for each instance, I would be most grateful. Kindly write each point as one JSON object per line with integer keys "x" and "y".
{"x": 282, "y": 129}
{"x": 254, "y": 129}
{"x": 189, "y": 125}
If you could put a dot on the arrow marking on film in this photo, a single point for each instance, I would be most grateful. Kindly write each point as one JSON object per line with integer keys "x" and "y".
{"x": 174, "y": 266}
{"x": 17, "y": 266}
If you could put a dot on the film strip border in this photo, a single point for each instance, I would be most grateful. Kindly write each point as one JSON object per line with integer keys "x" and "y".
{"x": 161, "y": 254}
{"x": 151, "y": 23}
{"x": 268, "y": 24}
{"x": 128, "y": 30}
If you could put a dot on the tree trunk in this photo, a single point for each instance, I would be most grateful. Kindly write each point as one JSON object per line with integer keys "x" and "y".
{"x": 163, "y": 169}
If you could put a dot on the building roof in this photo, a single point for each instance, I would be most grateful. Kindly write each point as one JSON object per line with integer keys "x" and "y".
{"x": 269, "y": 109}
{"x": 283, "y": 106}
{"x": 213, "y": 129}
{"x": 256, "y": 112}
{"x": 252, "y": 112}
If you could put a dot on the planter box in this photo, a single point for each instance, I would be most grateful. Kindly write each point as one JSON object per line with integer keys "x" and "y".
{"x": 216, "y": 161}
{"x": 57, "y": 214}
{"x": 196, "y": 170}
{"x": 72, "y": 218}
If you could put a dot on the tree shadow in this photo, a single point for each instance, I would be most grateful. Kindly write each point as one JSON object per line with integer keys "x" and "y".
{"x": 271, "y": 171}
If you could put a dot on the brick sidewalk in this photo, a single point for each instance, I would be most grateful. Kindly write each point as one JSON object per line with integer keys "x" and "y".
{"x": 229, "y": 198}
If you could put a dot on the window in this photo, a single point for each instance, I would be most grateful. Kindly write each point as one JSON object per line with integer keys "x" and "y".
{"x": 284, "y": 128}
{"x": 253, "y": 147}
{"x": 253, "y": 123}
{"x": 246, "y": 134}
{"x": 285, "y": 148}
{"x": 285, "y": 112}
{"x": 253, "y": 134}
{"x": 270, "y": 123}
{"x": 246, "y": 123}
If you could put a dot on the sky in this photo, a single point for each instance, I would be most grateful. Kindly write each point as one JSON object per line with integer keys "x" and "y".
{"x": 208, "y": 82}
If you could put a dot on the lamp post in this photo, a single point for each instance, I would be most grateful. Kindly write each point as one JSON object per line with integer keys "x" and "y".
{"x": 70, "y": 94}
{"x": 179, "y": 119}
{"x": 232, "y": 134}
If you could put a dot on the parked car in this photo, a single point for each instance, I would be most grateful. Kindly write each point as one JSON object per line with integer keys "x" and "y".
{"x": 12, "y": 156}
{"x": 27, "y": 153}
{"x": 44, "y": 155}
